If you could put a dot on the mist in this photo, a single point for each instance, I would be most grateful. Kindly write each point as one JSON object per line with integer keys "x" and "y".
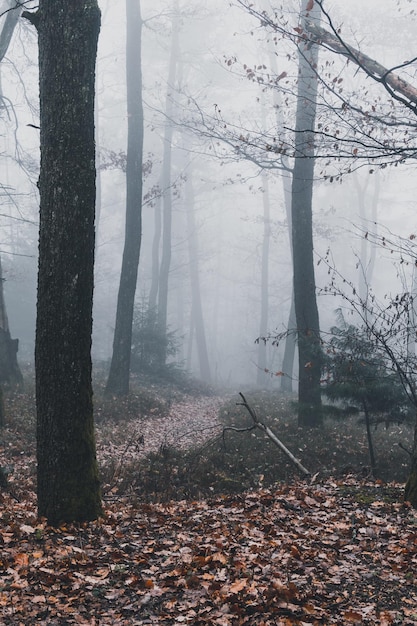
{"x": 223, "y": 98}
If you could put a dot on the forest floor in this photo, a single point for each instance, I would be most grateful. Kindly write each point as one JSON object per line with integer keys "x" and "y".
{"x": 338, "y": 548}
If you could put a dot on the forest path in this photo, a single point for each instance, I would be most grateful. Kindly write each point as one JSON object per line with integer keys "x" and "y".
{"x": 189, "y": 423}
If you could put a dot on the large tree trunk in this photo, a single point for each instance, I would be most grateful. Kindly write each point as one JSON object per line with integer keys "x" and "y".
{"x": 118, "y": 381}
{"x": 306, "y": 312}
{"x": 68, "y": 484}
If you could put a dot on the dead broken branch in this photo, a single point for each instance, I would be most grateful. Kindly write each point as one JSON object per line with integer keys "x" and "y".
{"x": 268, "y": 432}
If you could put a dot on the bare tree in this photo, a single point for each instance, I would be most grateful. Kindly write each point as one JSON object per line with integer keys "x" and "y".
{"x": 166, "y": 177}
{"x": 118, "y": 380}
{"x": 306, "y": 311}
{"x": 9, "y": 368}
{"x": 197, "y": 317}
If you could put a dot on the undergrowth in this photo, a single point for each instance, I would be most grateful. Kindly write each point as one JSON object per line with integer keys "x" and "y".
{"x": 228, "y": 464}
{"x": 238, "y": 461}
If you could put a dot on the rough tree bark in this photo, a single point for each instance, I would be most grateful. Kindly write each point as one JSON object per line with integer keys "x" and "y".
{"x": 118, "y": 380}
{"x": 68, "y": 484}
{"x": 306, "y": 312}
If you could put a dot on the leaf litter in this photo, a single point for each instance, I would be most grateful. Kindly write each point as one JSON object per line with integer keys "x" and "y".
{"x": 190, "y": 423}
{"x": 295, "y": 553}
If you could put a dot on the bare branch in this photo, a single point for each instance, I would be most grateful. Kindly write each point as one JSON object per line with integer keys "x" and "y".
{"x": 268, "y": 432}
{"x": 392, "y": 82}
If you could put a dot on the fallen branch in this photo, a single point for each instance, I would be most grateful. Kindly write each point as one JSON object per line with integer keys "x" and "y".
{"x": 268, "y": 432}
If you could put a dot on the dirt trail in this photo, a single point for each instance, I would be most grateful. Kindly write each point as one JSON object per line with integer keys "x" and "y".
{"x": 189, "y": 423}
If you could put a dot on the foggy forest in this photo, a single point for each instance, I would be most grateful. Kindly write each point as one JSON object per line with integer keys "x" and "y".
{"x": 208, "y": 312}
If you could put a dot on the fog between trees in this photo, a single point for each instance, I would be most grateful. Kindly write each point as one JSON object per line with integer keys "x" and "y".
{"x": 216, "y": 114}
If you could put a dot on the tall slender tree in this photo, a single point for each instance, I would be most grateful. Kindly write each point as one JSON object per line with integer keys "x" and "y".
{"x": 306, "y": 311}
{"x": 166, "y": 177}
{"x": 288, "y": 358}
{"x": 401, "y": 92}
{"x": 68, "y": 484}
{"x": 197, "y": 317}
{"x": 11, "y": 10}
{"x": 263, "y": 318}
{"x": 156, "y": 240}
{"x": 118, "y": 380}
{"x": 368, "y": 210}
{"x": 9, "y": 368}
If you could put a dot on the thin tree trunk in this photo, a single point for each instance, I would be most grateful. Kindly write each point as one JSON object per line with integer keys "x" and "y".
{"x": 118, "y": 381}
{"x": 166, "y": 186}
{"x": 196, "y": 306}
{"x": 410, "y": 493}
{"x": 289, "y": 351}
{"x": 412, "y": 323}
{"x": 68, "y": 484}
{"x": 190, "y": 341}
{"x": 290, "y": 347}
{"x": 369, "y": 439}
{"x": 153, "y": 292}
{"x": 290, "y": 340}
{"x": 14, "y": 11}
{"x": 263, "y": 322}
{"x": 306, "y": 312}
{"x": 367, "y": 254}
{"x": 9, "y": 368}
